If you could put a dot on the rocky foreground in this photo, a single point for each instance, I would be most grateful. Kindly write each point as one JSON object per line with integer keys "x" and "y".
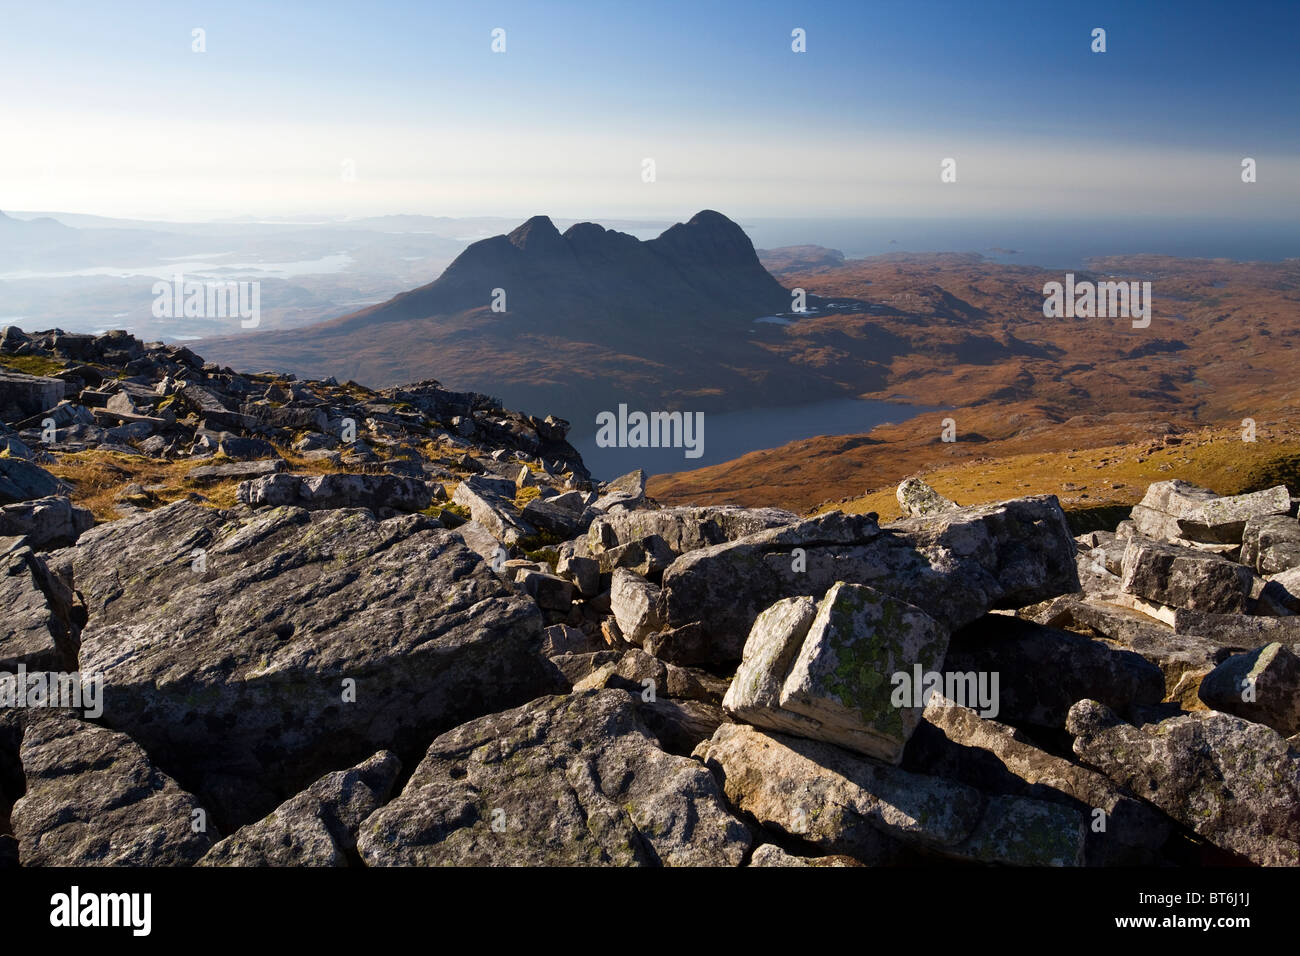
{"x": 405, "y": 628}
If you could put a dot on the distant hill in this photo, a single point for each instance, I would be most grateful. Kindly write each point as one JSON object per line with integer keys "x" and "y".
{"x": 800, "y": 259}
{"x": 592, "y": 318}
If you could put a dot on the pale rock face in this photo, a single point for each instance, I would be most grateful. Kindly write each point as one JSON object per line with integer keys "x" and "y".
{"x": 1174, "y": 510}
{"x": 1183, "y": 577}
{"x": 774, "y": 642}
{"x": 918, "y": 499}
{"x": 634, "y": 601}
{"x": 824, "y": 671}
{"x": 1222, "y": 520}
{"x": 1263, "y": 686}
{"x": 1271, "y": 544}
{"x": 841, "y": 677}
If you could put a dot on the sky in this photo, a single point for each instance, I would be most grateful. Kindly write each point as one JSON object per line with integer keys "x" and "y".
{"x": 381, "y": 107}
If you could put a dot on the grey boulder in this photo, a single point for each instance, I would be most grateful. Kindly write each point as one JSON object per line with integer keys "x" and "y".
{"x": 319, "y": 826}
{"x": 309, "y": 638}
{"x": 1232, "y": 781}
{"x": 46, "y": 523}
{"x": 573, "y": 780}
{"x": 94, "y": 798}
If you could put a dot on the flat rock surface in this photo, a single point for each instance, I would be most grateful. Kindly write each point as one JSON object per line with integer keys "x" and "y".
{"x": 94, "y": 798}
{"x": 308, "y": 639}
{"x": 574, "y": 780}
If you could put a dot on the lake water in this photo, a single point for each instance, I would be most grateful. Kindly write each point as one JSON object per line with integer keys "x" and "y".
{"x": 729, "y": 435}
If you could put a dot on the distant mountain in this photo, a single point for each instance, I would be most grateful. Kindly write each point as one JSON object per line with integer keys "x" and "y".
{"x": 29, "y": 231}
{"x": 789, "y": 259}
{"x": 590, "y": 278}
{"x": 584, "y": 320}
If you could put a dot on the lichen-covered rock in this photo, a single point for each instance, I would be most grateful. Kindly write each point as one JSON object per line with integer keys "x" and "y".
{"x": 957, "y": 565}
{"x": 917, "y": 498}
{"x": 839, "y": 802}
{"x": 309, "y": 638}
{"x": 1263, "y": 686}
{"x": 830, "y": 678}
{"x": 319, "y": 826}
{"x": 41, "y": 621}
{"x": 575, "y": 780}
{"x": 94, "y": 798}
{"x": 956, "y": 743}
{"x": 1184, "y": 577}
{"x": 1271, "y": 543}
{"x": 1232, "y": 781}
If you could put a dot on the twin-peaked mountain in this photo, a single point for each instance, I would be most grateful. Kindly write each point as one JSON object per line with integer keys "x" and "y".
{"x": 594, "y": 318}
{"x": 584, "y": 320}
{"x": 595, "y": 275}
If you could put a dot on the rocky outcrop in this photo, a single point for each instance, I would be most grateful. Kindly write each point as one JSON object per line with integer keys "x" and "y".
{"x": 319, "y": 826}
{"x": 310, "y": 638}
{"x": 574, "y": 780}
{"x": 94, "y": 798}
{"x": 1232, "y": 781}
{"x": 420, "y": 577}
{"x": 957, "y": 565}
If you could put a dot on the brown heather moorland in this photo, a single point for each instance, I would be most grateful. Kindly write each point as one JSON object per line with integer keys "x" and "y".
{"x": 1109, "y": 401}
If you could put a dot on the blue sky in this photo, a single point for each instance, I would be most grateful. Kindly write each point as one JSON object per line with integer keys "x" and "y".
{"x": 110, "y": 111}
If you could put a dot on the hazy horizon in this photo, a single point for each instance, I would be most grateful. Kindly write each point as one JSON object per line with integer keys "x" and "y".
{"x": 284, "y": 112}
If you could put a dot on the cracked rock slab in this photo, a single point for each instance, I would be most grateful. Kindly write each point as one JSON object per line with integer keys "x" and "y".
{"x": 840, "y": 802}
{"x": 94, "y": 798}
{"x": 301, "y": 641}
{"x": 574, "y": 780}
{"x": 1234, "y": 782}
{"x": 319, "y": 826}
